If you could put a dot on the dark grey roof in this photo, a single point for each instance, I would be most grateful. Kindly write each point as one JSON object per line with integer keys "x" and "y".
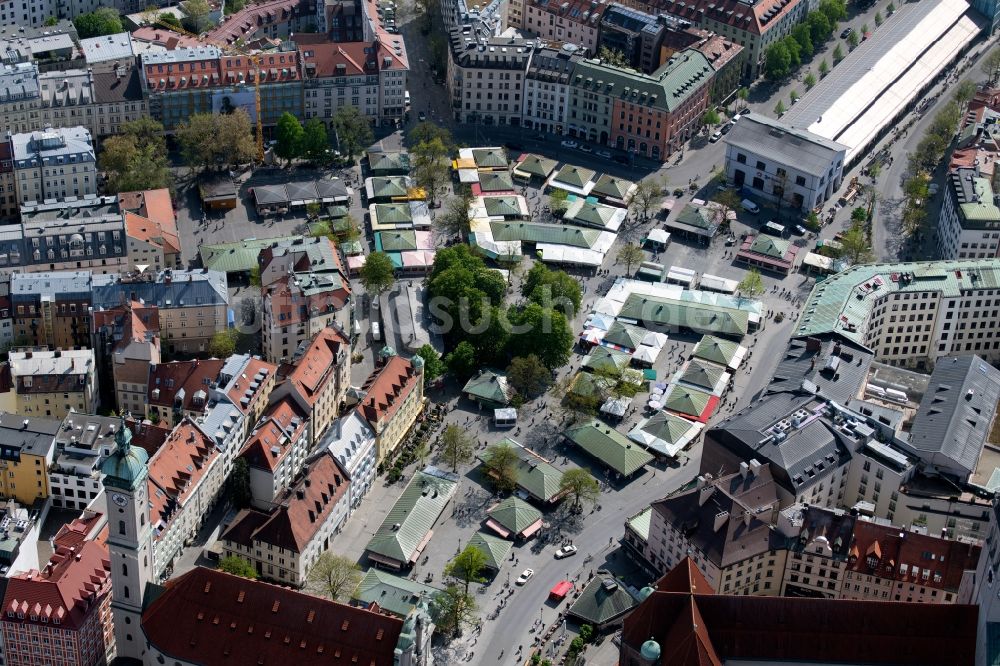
{"x": 172, "y": 289}
{"x": 109, "y": 87}
{"x": 806, "y": 358}
{"x": 783, "y": 144}
{"x": 19, "y": 434}
{"x": 954, "y": 417}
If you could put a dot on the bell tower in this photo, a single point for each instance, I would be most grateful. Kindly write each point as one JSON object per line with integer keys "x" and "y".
{"x": 130, "y": 539}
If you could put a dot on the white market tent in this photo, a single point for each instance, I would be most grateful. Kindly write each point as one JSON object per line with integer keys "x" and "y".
{"x": 716, "y": 283}
{"x": 884, "y": 75}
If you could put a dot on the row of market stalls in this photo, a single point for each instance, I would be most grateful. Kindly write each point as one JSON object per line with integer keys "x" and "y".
{"x": 280, "y": 199}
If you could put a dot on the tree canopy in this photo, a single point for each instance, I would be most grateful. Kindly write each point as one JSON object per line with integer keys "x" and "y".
{"x": 353, "y": 130}
{"x": 544, "y": 332}
{"x": 751, "y": 285}
{"x": 528, "y": 376}
{"x": 333, "y": 576}
{"x": 467, "y": 567}
{"x": 462, "y": 362}
{"x": 501, "y": 463}
{"x": 552, "y": 288}
{"x": 579, "y": 484}
{"x": 288, "y": 135}
{"x": 452, "y": 609}
{"x": 457, "y": 446}
{"x": 100, "y": 22}
{"x": 136, "y": 158}
{"x": 377, "y": 273}
{"x": 238, "y": 567}
{"x": 433, "y": 364}
{"x": 216, "y": 141}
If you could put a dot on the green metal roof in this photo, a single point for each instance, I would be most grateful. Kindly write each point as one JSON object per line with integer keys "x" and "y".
{"x": 384, "y": 187}
{"x": 574, "y": 175}
{"x": 395, "y": 241}
{"x": 667, "y": 88}
{"x": 640, "y": 522}
{"x": 489, "y": 158}
{"x": 126, "y": 467}
{"x": 587, "y": 385}
{"x": 602, "y": 601}
{"x": 983, "y": 209}
{"x": 686, "y": 314}
{"x": 843, "y": 302}
{"x": 537, "y": 166}
{"x": 352, "y": 248}
{"x": 237, "y": 257}
{"x": 493, "y": 547}
{"x": 416, "y": 511}
{"x": 392, "y": 213}
{"x": 769, "y": 246}
{"x": 604, "y": 358}
{"x": 515, "y": 514}
{"x": 625, "y": 335}
{"x": 701, "y": 217}
{"x": 503, "y": 206}
{"x": 687, "y": 400}
{"x": 666, "y": 426}
{"x": 704, "y": 374}
{"x": 609, "y": 446}
{"x": 535, "y": 475}
{"x": 611, "y": 187}
{"x": 585, "y": 213}
{"x": 489, "y": 386}
{"x": 716, "y": 350}
{"x": 495, "y": 181}
{"x": 534, "y": 232}
{"x": 395, "y": 594}
{"x": 388, "y": 162}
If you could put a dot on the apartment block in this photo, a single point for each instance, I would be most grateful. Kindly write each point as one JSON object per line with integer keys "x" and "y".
{"x": 486, "y": 78}
{"x": 394, "y": 399}
{"x": 180, "y": 389}
{"x": 26, "y": 450}
{"x": 576, "y": 22}
{"x": 151, "y": 227}
{"x": 284, "y": 541}
{"x": 352, "y": 442}
{"x": 53, "y": 383}
{"x": 127, "y": 344}
{"x": 969, "y": 224}
{"x": 54, "y": 164}
{"x": 276, "y": 450}
{"x": 547, "y": 88}
{"x": 51, "y": 309}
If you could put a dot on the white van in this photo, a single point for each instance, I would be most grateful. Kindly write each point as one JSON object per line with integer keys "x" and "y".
{"x": 407, "y": 98}
{"x": 750, "y": 206}
{"x": 376, "y": 331}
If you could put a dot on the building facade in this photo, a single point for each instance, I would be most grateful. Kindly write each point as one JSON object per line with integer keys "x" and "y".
{"x": 51, "y": 309}
{"x": 486, "y": 78}
{"x": 53, "y": 383}
{"x": 575, "y": 22}
{"x": 969, "y": 224}
{"x": 26, "y": 452}
{"x": 394, "y": 398}
{"x": 54, "y": 164}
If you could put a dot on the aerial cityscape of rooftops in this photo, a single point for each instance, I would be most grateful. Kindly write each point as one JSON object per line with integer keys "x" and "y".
{"x": 518, "y": 332}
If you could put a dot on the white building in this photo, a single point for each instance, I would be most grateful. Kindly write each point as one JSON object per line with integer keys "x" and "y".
{"x": 486, "y": 78}
{"x": 783, "y": 164}
{"x": 54, "y": 164}
{"x": 547, "y": 88}
{"x": 969, "y": 224}
{"x": 276, "y": 450}
{"x": 351, "y": 441}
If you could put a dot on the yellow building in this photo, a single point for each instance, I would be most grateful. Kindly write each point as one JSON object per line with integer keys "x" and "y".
{"x": 394, "y": 398}
{"x": 26, "y": 449}
{"x": 51, "y": 383}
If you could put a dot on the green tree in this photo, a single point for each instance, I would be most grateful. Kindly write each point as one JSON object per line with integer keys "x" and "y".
{"x": 824, "y": 68}
{"x": 710, "y": 117}
{"x": 233, "y": 6}
{"x": 457, "y": 446}
{"x": 238, "y": 567}
{"x": 500, "y": 462}
{"x": 878, "y": 19}
{"x": 238, "y": 484}
{"x": 315, "y": 144}
{"x": 288, "y": 134}
{"x": 467, "y": 567}
{"x": 809, "y": 80}
{"x": 216, "y": 140}
{"x": 820, "y": 27}
{"x": 613, "y": 57}
{"x": 333, "y": 576}
{"x": 990, "y": 66}
{"x": 853, "y": 40}
{"x": 859, "y": 214}
{"x": 197, "y": 19}
{"x": 581, "y": 486}
{"x": 433, "y": 364}
{"x": 793, "y": 96}
{"x": 169, "y": 20}
{"x": 462, "y": 362}
{"x": 778, "y": 63}
{"x": 729, "y": 198}
{"x": 451, "y": 609}
{"x": 552, "y": 288}
{"x": 648, "y": 195}
{"x": 223, "y": 343}
{"x": 835, "y": 10}
{"x": 430, "y": 167}
{"x": 743, "y": 94}
{"x": 779, "y": 108}
{"x": 529, "y": 376}
{"x": 100, "y": 22}
{"x": 51, "y": 21}
{"x": 864, "y": 29}
{"x": 803, "y": 37}
{"x": 964, "y": 92}
{"x": 558, "y": 201}
{"x": 838, "y": 53}
{"x": 427, "y": 132}
{"x": 751, "y": 285}
{"x": 544, "y": 332}
{"x": 890, "y": 9}
{"x": 454, "y": 219}
{"x": 794, "y": 53}
{"x": 353, "y": 131}
{"x": 131, "y": 165}
{"x": 855, "y": 246}
{"x": 631, "y": 255}
{"x": 377, "y": 273}
{"x": 255, "y": 276}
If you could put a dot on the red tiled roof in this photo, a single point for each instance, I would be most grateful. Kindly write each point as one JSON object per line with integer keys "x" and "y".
{"x": 245, "y": 23}
{"x": 147, "y": 436}
{"x": 696, "y": 629}
{"x": 685, "y": 577}
{"x": 386, "y": 390}
{"x": 166, "y": 379}
{"x": 62, "y": 590}
{"x": 324, "y": 59}
{"x": 152, "y": 217}
{"x": 730, "y": 12}
{"x": 177, "y": 468}
{"x": 298, "y": 513}
{"x": 211, "y": 617}
{"x": 317, "y": 365}
{"x": 272, "y": 432}
{"x": 87, "y": 527}
{"x": 943, "y": 560}
{"x": 288, "y": 306}
{"x": 242, "y": 385}
{"x": 168, "y": 39}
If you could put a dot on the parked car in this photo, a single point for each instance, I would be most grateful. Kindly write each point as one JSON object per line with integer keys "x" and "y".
{"x": 621, "y": 159}
{"x": 846, "y": 32}
{"x": 799, "y": 230}
{"x": 421, "y": 116}
{"x": 566, "y": 551}
{"x": 725, "y": 128}
{"x": 606, "y": 154}
{"x": 735, "y": 118}
{"x": 567, "y": 143}
{"x": 745, "y": 111}
{"x": 715, "y": 137}
{"x": 750, "y": 207}
{"x": 525, "y": 576}
{"x": 586, "y": 149}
